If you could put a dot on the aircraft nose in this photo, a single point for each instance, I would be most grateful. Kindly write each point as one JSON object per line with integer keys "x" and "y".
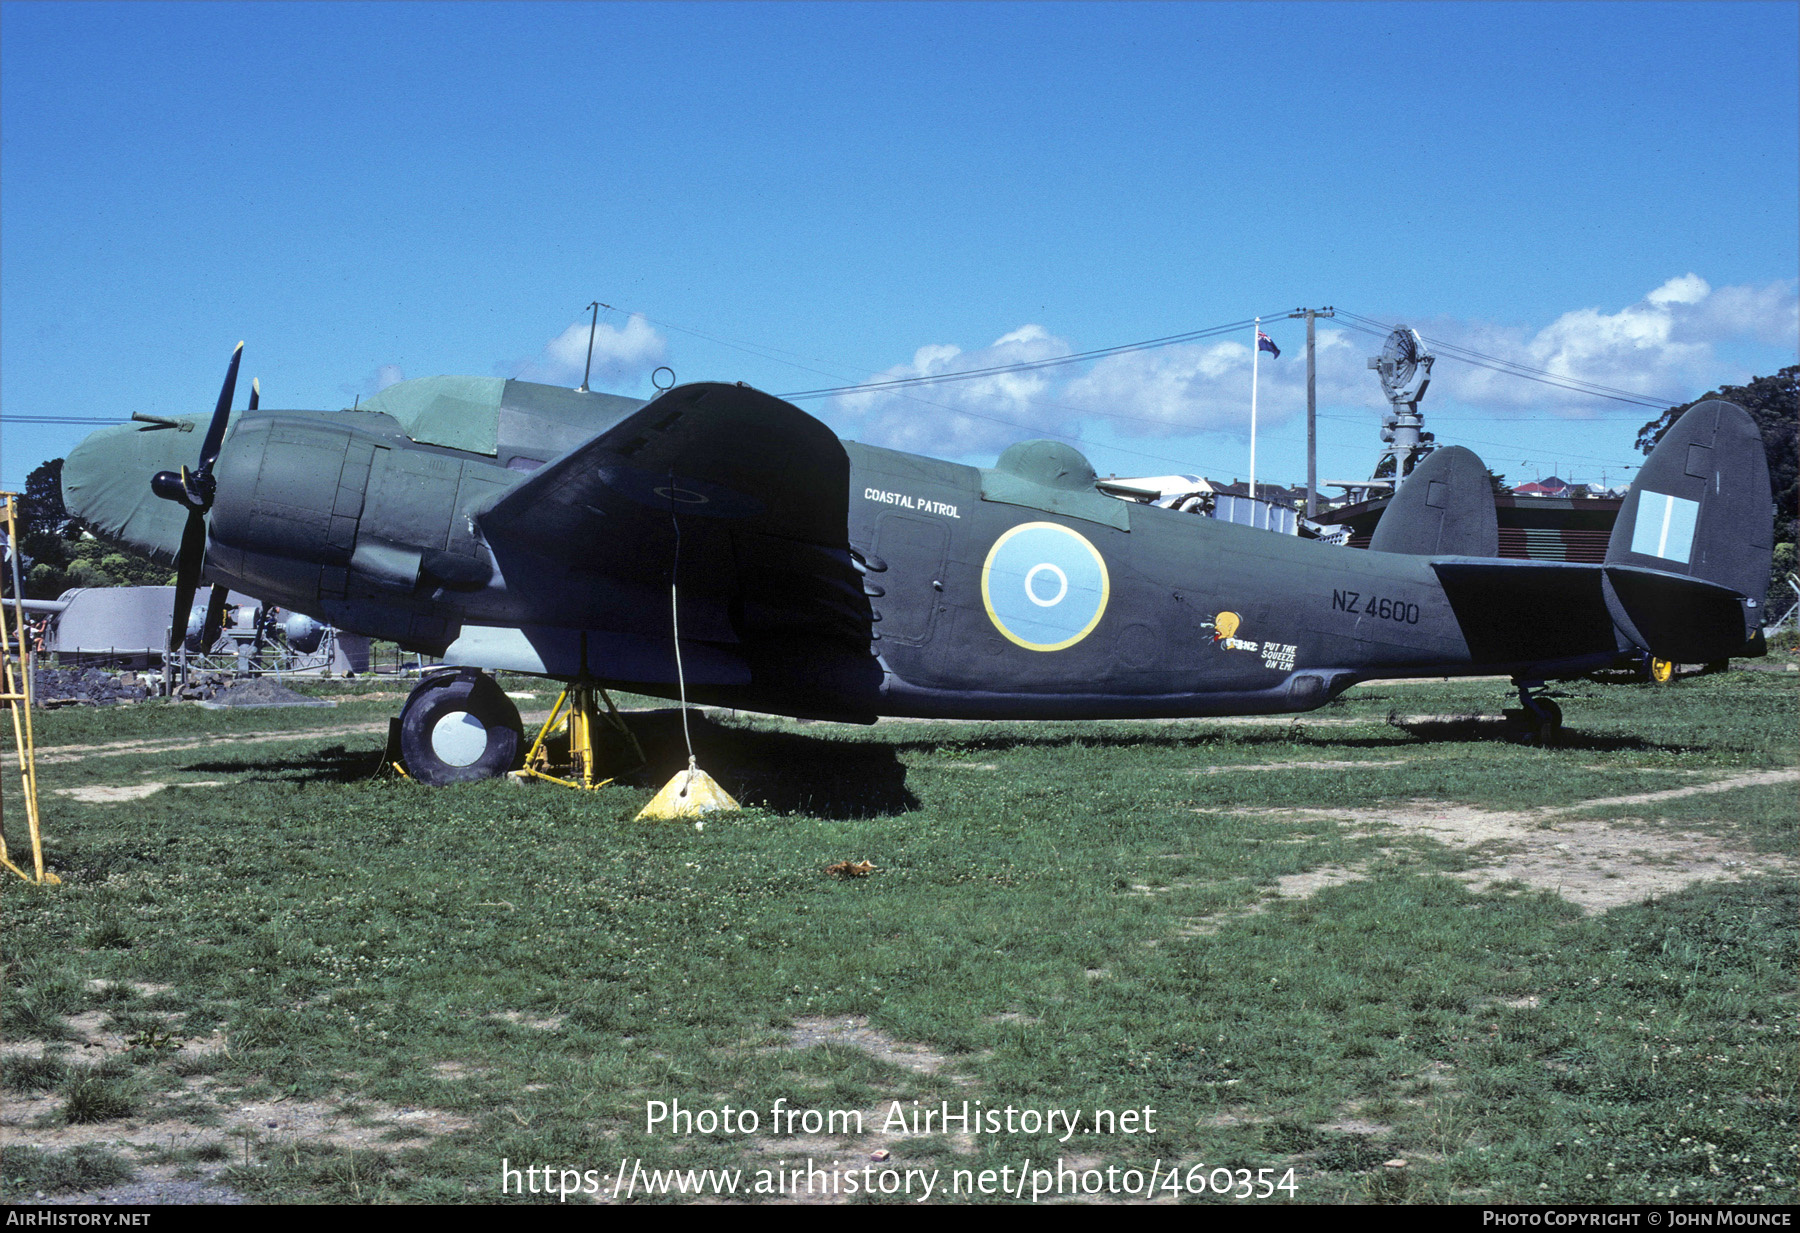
{"x": 106, "y": 482}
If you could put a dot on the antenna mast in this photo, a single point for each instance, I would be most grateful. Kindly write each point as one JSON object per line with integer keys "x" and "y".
{"x": 592, "y": 326}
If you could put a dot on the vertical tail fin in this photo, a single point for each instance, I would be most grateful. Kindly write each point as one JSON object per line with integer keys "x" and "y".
{"x": 1688, "y": 561}
{"x": 1445, "y": 508}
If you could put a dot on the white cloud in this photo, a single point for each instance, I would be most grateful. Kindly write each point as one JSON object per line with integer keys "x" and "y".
{"x": 1688, "y": 289}
{"x": 972, "y": 416}
{"x": 1665, "y": 346}
{"x": 622, "y": 356}
{"x": 1205, "y": 386}
{"x": 1163, "y": 392}
{"x": 378, "y": 379}
{"x": 1769, "y": 314}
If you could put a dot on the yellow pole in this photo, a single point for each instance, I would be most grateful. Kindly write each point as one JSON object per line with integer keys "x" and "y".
{"x": 19, "y": 692}
{"x": 581, "y": 732}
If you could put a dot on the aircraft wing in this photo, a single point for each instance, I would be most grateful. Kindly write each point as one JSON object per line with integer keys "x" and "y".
{"x": 705, "y": 454}
{"x": 739, "y": 496}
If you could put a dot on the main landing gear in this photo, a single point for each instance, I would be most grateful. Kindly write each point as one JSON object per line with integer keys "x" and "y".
{"x": 459, "y": 726}
{"x": 1542, "y": 714}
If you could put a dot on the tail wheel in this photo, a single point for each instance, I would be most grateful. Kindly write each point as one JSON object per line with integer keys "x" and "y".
{"x": 1662, "y": 671}
{"x": 459, "y": 727}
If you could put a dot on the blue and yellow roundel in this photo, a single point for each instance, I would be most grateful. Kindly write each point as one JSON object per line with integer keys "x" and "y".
{"x": 1044, "y": 586}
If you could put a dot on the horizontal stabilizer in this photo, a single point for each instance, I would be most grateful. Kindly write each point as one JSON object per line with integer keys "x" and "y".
{"x": 1689, "y": 556}
{"x": 1517, "y": 611}
{"x": 1684, "y": 620}
{"x": 1444, "y": 508}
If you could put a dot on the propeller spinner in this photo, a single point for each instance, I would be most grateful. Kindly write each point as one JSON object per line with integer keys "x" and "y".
{"x": 195, "y": 490}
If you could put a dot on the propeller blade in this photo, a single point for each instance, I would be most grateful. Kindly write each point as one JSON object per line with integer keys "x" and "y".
{"x": 255, "y": 393}
{"x": 215, "y": 617}
{"x": 187, "y": 576}
{"x": 215, "y": 432}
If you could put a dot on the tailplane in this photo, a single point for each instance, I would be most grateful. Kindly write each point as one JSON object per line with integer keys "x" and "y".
{"x": 1688, "y": 561}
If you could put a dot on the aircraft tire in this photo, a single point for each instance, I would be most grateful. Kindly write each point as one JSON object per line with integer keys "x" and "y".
{"x": 459, "y": 727}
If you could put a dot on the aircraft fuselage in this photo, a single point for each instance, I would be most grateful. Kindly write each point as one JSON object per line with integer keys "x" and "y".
{"x": 1019, "y": 591}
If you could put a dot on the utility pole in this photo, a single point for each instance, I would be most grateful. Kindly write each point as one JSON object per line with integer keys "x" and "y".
{"x": 1312, "y": 407}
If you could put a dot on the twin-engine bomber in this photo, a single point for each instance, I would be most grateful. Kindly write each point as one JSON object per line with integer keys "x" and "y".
{"x": 508, "y": 526}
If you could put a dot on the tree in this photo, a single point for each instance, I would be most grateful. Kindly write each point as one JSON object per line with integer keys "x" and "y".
{"x": 60, "y": 553}
{"x": 1774, "y": 403}
{"x": 42, "y": 509}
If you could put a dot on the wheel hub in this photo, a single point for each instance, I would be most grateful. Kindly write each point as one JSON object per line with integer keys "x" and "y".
{"x": 459, "y": 739}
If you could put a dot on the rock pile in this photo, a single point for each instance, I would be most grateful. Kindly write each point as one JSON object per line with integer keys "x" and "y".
{"x": 262, "y": 691}
{"x": 200, "y": 686}
{"x": 53, "y": 687}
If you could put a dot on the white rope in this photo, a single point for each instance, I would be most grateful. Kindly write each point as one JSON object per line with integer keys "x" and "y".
{"x": 675, "y": 626}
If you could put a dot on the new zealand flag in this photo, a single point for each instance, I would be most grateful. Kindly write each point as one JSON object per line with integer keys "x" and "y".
{"x": 1265, "y": 343}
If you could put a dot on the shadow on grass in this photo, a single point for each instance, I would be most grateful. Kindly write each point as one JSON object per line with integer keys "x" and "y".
{"x": 780, "y": 771}
{"x": 1514, "y": 730}
{"x": 784, "y": 772}
{"x": 336, "y": 764}
{"x": 831, "y": 777}
{"x": 1474, "y": 729}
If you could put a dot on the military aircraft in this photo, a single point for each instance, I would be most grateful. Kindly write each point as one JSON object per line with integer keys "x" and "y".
{"x": 722, "y": 544}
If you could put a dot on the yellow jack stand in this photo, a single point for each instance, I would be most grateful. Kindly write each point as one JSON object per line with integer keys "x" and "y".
{"x": 16, "y": 692}
{"x": 587, "y": 729}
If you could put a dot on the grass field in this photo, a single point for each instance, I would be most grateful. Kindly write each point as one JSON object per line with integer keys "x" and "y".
{"x": 1385, "y": 951}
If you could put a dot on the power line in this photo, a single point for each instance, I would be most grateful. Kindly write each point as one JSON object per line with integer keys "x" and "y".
{"x": 1030, "y": 365}
{"x": 897, "y": 386}
{"x": 1467, "y": 355}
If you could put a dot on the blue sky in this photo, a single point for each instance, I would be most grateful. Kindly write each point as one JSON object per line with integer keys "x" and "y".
{"x": 847, "y": 192}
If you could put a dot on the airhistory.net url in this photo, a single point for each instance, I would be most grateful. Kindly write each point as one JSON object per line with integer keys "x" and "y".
{"x": 1023, "y": 1181}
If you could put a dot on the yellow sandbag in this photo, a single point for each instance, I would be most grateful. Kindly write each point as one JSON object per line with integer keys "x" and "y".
{"x": 690, "y": 792}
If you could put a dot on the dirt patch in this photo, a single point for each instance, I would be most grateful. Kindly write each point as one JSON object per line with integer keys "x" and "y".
{"x": 1590, "y": 862}
{"x": 101, "y": 794}
{"x": 541, "y": 1023}
{"x": 1305, "y": 885}
{"x": 88, "y": 1041}
{"x": 165, "y": 1120}
{"x": 1292, "y": 886}
{"x": 339, "y": 1123}
{"x": 56, "y": 755}
{"x": 456, "y": 1070}
{"x": 153, "y": 1184}
{"x": 854, "y": 1032}
{"x": 1350, "y": 1124}
{"x": 139, "y": 988}
{"x": 1301, "y": 766}
{"x": 1597, "y": 864}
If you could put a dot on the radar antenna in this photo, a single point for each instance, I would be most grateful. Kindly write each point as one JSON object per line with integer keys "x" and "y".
{"x": 1405, "y": 370}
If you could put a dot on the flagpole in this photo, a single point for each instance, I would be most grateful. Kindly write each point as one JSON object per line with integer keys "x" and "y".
{"x": 1255, "y": 356}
